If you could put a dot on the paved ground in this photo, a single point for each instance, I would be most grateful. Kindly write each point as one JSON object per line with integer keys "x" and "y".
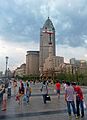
{"x": 36, "y": 110}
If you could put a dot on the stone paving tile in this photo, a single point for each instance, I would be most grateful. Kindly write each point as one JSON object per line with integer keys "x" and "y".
{"x": 46, "y": 117}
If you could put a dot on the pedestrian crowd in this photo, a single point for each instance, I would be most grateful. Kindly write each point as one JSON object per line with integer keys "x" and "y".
{"x": 76, "y": 103}
{"x": 73, "y": 96}
{"x": 23, "y": 93}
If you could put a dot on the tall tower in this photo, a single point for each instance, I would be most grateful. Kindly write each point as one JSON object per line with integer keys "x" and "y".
{"x": 47, "y": 32}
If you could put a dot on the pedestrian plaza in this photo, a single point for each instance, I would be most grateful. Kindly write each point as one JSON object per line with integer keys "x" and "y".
{"x": 55, "y": 109}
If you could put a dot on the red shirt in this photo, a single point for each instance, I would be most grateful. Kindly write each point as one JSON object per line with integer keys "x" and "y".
{"x": 58, "y": 85}
{"x": 78, "y": 92}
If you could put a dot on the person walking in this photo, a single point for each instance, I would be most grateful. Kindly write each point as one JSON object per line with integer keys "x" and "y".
{"x": 44, "y": 90}
{"x": 79, "y": 100}
{"x": 15, "y": 87}
{"x": 18, "y": 96}
{"x": 69, "y": 98}
{"x": 64, "y": 85}
{"x": 4, "y": 102}
{"x": 21, "y": 92}
{"x": 58, "y": 86}
{"x": 28, "y": 92}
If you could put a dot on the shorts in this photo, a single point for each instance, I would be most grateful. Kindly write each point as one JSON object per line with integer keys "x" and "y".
{"x": 58, "y": 91}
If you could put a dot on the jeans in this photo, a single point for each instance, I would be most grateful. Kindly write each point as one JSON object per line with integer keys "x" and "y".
{"x": 80, "y": 103}
{"x": 44, "y": 98}
{"x": 69, "y": 104}
{"x": 27, "y": 99}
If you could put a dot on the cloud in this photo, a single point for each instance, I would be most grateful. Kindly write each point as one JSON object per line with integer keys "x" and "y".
{"x": 16, "y": 53}
{"x": 70, "y": 21}
{"x": 70, "y": 52}
{"x": 21, "y": 20}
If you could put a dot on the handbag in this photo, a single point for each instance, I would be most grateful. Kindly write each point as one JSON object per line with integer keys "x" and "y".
{"x": 84, "y": 104}
{"x": 48, "y": 98}
{"x": 17, "y": 98}
{"x": 55, "y": 91}
{"x": 24, "y": 98}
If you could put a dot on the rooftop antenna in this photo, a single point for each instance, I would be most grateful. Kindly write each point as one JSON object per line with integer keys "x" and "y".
{"x": 48, "y": 10}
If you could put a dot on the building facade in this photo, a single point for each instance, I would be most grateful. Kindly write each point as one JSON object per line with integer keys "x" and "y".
{"x": 47, "y": 33}
{"x": 20, "y": 71}
{"x": 32, "y": 63}
{"x": 45, "y": 60}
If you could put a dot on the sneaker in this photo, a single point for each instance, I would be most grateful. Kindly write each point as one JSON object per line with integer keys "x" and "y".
{"x": 82, "y": 116}
{"x": 77, "y": 117}
{"x": 3, "y": 109}
{"x": 70, "y": 116}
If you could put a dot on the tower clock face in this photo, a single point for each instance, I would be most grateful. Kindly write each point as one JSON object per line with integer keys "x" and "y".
{"x": 49, "y": 32}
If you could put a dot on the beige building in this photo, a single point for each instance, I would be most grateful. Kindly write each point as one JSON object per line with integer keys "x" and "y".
{"x": 52, "y": 63}
{"x": 20, "y": 71}
{"x": 68, "y": 68}
{"x": 45, "y": 60}
{"x": 32, "y": 63}
{"x": 79, "y": 65}
{"x": 55, "y": 63}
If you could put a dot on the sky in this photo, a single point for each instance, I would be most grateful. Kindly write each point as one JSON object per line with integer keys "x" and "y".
{"x": 21, "y": 20}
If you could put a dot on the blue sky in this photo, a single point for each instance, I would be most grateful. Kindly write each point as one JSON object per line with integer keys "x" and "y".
{"x": 21, "y": 20}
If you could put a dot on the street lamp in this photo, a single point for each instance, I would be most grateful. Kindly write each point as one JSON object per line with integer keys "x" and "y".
{"x": 6, "y": 65}
{"x": 7, "y": 82}
{"x": 8, "y": 73}
{"x": 77, "y": 74}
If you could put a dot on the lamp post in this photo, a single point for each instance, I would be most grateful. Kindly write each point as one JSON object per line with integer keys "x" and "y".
{"x": 77, "y": 74}
{"x": 73, "y": 72}
{"x": 8, "y": 73}
{"x": 7, "y": 82}
{"x": 6, "y": 65}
